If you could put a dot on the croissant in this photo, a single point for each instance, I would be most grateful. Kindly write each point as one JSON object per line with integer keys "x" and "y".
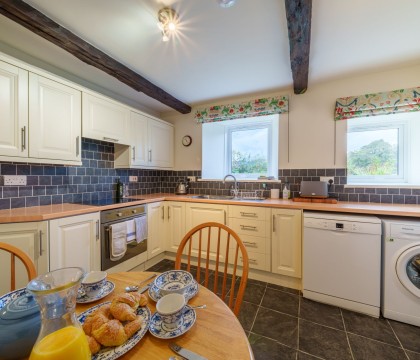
{"x": 113, "y": 333}
{"x": 124, "y": 306}
{"x": 97, "y": 319}
{"x": 94, "y": 346}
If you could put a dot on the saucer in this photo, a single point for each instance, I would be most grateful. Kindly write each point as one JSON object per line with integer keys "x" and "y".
{"x": 191, "y": 291}
{"x": 106, "y": 290}
{"x": 157, "y": 327}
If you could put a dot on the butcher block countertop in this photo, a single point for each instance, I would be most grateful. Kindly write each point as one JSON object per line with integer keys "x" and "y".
{"x": 48, "y": 212}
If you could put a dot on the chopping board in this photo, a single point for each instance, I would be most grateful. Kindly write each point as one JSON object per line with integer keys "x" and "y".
{"x": 327, "y": 201}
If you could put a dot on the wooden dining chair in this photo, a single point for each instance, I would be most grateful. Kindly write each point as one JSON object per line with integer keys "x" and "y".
{"x": 215, "y": 251}
{"x": 25, "y": 259}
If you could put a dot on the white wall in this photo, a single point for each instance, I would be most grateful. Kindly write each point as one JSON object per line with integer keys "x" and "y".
{"x": 311, "y": 121}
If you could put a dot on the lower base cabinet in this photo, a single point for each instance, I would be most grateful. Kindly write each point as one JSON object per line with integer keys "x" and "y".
{"x": 32, "y": 238}
{"x": 75, "y": 241}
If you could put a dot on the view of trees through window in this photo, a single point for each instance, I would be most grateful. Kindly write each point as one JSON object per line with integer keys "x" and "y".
{"x": 373, "y": 153}
{"x": 250, "y": 152}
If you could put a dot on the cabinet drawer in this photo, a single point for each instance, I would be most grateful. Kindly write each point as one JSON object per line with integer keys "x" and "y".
{"x": 252, "y": 243}
{"x": 256, "y": 261}
{"x": 247, "y": 212}
{"x": 248, "y": 227}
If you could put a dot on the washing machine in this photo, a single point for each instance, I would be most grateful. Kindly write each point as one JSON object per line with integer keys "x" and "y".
{"x": 401, "y": 270}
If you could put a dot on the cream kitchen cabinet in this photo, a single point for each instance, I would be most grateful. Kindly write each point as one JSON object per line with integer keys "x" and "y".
{"x": 75, "y": 241}
{"x": 41, "y": 118}
{"x": 156, "y": 229}
{"x": 32, "y": 238}
{"x": 151, "y": 144}
{"x": 286, "y": 240}
{"x": 175, "y": 226}
{"x": 104, "y": 119}
{"x": 253, "y": 225}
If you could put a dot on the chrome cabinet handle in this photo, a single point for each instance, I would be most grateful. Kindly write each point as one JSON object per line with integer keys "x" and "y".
{"x": 250, "y": 243}
{"x": 274, "y": 223}
{"x": 23, "y": 139}
{"x": 110, "y": 139}
{"x": 77, "y": 145}
{"x": 97, "y": 230}
{"x": 252, "y": 261}
{"x": 150, "y": 155}
{"x": 134, "y": 153}
{"x": 224, "y": 221}
{"x": 163, "y": 213}
{"x": 248, "y": 227}
{"x": 169, "y": 212}
{"x": 248, "y": 214}
{"x": 40, "y": 243}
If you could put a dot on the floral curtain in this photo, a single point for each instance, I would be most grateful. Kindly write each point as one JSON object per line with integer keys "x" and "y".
{"x": 257, "y": 107}
{"x": 385, "y": 103}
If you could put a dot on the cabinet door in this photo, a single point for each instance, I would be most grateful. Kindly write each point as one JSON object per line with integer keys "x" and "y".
{"x": 175, "y": 224}
{"x": 14, "y": 111}
{"x": 156, "y": 229}
{"x": 161, "y": 144}
{"x": 54, "y": 120}
{"x": 74, "y": 241}
{"x": 287, "y": 242}
{"x": 138, "y": 132}
{"x": 196, "y": 214}
{"x": 32, "y": 238}
{"x": 105, "y": 120}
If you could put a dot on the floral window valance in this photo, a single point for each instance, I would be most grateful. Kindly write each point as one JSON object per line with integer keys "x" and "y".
{"x": 384, "y": 103}
{"x": 251, "y": 108}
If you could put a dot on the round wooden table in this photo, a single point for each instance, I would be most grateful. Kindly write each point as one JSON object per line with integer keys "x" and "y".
{"x": 216, "y": 334}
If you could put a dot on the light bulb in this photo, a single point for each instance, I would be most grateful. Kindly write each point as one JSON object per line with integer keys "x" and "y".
{"x": 171, "y": 26}
{"x": 226, "y": 3}
{"x": 165, "y": 38}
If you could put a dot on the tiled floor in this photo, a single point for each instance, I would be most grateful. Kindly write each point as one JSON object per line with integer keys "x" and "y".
{"x": 281, "y": 324}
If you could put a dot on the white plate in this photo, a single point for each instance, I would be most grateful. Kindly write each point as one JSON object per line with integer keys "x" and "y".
{"x": 110, "y": 353}
{"x": 157, "y": 328}
{"x": 106, "y": 290}
{"x": 155, "y": 295}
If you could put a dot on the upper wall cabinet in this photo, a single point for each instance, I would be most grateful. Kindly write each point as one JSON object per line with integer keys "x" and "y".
{"x": 151, "y": 144}
{"x": 41, "y": 118}
{"x": 105, "y": 120}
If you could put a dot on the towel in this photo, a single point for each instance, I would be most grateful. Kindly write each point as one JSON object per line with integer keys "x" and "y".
{"x": 141, "y": 228}
{"x": 118, "y": 243}
{"x": 131, "y": 230}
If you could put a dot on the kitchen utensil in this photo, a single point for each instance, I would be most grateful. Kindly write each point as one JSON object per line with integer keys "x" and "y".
{"x": 136, "y": 287}
{"x": 188, "y": 354}
{"x": 182, "y": 188}
{"x": 198, "y": 306}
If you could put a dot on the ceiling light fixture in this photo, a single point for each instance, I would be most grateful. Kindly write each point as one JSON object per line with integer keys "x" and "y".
{"x": 226, "y": 3}
{"x": 168, "y": 21}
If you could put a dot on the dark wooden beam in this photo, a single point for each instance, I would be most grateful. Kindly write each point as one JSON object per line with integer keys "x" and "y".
{"x": 299, "y": 13}
{"x": 37, "y": 22}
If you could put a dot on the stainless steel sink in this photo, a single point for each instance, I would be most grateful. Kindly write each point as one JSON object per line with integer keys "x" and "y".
{"x": 225, "y": 197}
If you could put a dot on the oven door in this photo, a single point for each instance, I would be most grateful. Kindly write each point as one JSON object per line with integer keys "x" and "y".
{"x": 133, "y": 249}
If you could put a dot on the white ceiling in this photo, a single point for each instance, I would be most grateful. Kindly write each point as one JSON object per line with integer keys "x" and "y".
{"x": 223, "y": 52}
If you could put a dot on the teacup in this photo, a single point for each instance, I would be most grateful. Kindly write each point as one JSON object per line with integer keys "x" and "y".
{"x": 93, "y": 282}
{"x": 170, "y": 308}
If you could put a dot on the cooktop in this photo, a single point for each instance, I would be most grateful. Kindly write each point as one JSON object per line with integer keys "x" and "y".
{"x": 104, "y": 202}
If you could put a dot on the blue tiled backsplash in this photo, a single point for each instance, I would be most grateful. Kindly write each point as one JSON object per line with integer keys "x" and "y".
{"x": 96, "y": 178}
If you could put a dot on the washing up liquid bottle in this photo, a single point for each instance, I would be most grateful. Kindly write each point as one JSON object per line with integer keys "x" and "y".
{"x": 286, "y": 191}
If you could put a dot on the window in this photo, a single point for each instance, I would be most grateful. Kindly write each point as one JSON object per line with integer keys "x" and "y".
{"x": 380, "y": 149}
{"x": 246, "y": 148}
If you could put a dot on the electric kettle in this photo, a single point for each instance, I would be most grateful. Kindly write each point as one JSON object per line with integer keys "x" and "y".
{"x": 181, "y": 188}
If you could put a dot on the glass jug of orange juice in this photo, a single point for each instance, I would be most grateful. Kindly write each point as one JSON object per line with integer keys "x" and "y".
{"x": 61, "y": 337}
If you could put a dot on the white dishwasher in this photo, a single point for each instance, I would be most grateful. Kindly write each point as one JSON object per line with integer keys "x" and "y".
{"x": 342, "y": 260}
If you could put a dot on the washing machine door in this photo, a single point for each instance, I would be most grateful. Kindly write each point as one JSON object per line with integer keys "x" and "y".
{"x": 408, "y": 269}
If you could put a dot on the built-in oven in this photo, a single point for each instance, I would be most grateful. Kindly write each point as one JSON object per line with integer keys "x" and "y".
{"x": 114, "y": 216}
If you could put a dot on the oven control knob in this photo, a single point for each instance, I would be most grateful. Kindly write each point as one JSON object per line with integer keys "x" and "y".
{"x": 119, "y": 214}
{"x": 133, "y": 211}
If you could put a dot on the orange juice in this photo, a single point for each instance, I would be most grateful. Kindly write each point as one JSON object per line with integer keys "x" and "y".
{"x": 68, "y": 343}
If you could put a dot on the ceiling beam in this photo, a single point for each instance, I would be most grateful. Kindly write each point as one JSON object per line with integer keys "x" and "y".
{"x": 299, "y": 13}
{"x": 37, "y": 22}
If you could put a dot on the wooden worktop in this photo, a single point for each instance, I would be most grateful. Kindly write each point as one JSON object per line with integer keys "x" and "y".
{"x": 48, "y": 212}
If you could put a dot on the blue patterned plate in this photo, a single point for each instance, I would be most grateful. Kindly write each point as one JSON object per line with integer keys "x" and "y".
{"x": 191, "y": 291}
{"x": 82, "y": 298}
{"x": 110, "y": 353}
{"x": 157, "y": 328}
{"x": 6, "y": 298}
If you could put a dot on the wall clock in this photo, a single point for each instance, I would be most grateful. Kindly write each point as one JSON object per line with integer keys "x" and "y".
{"x": 186, "y": 140}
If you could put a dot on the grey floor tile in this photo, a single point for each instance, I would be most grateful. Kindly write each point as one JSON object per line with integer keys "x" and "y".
{"x": 267, "y": 349}
{"x": 277, "y": 326}
{"x": 409, "y": 335}
{"x": 256, "y": 282}
{"x": 368, "y": 349}
{"x": 166, "y": 266}
{"x": 281, "y": 301}
{"x": 368, "y": 326}
{"x": 413, "y": 355}
{"x": 321, "y": 313}
{"x": 247, "y": 314}
{"x": 304, "y": 356}
{"x": 254, "y": 293}
{"x": 282, "y": 288}
{"x": 324, "y": 342}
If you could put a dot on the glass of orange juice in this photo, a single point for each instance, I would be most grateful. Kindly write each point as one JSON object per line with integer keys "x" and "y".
{"x": 61, "y": 336}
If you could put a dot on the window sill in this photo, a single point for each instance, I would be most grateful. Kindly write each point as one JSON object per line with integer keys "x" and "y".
{"x": 396, "y": 186}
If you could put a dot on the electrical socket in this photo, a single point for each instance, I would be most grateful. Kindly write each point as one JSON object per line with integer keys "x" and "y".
{"x": 8, "y": 180}
{"x": 132, "y": 178}
{"x": 327, "y": 179}
{"x": 192, "y": 178}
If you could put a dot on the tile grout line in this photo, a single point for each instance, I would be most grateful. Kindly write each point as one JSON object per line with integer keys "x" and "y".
{"x": 347, "y": 335}
{"x": 258, "y": 309}
{"x": 399, "y": 342}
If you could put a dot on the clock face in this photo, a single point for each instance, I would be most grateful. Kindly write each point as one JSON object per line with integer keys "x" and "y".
{"x": 186, "y": 140}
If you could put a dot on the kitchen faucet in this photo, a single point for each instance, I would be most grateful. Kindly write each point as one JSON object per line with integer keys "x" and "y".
{"x": 235, "y": 188}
